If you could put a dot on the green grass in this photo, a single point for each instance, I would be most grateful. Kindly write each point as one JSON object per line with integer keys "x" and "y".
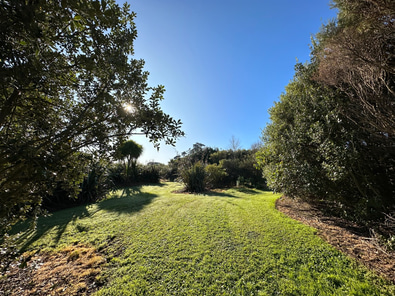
{"x": 229, "y": 243}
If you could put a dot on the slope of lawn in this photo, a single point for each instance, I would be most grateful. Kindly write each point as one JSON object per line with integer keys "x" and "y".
{"x": 230, "y": 243}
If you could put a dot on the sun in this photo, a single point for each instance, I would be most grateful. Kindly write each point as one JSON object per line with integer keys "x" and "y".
{"x": 129, "y": 108}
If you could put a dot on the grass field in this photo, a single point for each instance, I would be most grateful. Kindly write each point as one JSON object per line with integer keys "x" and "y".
{"x": 229, "y": 243}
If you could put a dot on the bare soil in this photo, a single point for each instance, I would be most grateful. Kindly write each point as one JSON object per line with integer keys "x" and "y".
{"x": 345, "y": 236}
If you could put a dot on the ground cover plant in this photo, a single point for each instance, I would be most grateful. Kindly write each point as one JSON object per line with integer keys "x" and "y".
{"x": 233, "y": 242}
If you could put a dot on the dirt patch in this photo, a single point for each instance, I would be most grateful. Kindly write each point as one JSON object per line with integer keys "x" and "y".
{"x": 72, "y": 271}
{"x": 347, "y": 237}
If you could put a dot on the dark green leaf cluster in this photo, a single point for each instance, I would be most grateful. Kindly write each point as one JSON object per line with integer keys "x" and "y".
{"x": 128, "y": 172}
{"x": 332, "y": 133}
{"x": 223, "y": 168}
{"x": 194, "y": 178}
{"x": 68, "y": 87}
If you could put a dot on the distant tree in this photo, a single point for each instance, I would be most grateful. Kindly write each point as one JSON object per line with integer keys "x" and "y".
{"x": 199, "y": 152}
{"x": 68, "y": 86}
{"x": 256, "y": 146}
{"x": 234, "y": 143}
{"x": 222, "y": 168}
{"x": 130, "y": 151}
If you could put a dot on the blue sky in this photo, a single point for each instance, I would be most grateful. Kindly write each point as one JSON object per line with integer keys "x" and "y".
{"x": 223, "y": 63}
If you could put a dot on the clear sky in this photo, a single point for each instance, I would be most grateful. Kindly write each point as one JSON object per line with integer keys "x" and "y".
{"x": 223, "y": 63}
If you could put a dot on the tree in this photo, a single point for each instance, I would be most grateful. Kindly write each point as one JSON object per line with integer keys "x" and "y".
{"x": 130, "y": 151}
{"x": 332, "y": 133}
{"x": 68, "y": 87}
{"x": 305, "y": 152}
{"x": 234, "y": 143}
{"x": 356, "y": 54}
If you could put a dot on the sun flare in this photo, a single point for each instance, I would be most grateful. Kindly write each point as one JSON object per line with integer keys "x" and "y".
{"x": 129, "y": 108}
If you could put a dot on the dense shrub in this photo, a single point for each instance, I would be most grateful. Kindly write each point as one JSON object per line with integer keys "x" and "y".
{"x": 194, "y": 178}
{"x": 148, "y": 174}
{"x": 223, "y": 167}
{"x": 215, "y": 176}
{"x": 116, "y": 174}
{"x": 94, "y": 187}
{"x": 332, "y": 133}
{"x": 169, "y": 172}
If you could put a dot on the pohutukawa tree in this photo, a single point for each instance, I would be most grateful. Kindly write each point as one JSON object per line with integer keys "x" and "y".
{"x": 68, "y": 85}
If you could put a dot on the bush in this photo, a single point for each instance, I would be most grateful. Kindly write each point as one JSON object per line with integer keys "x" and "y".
{"x": 116, "y": 174}
{"x": 148, "y": 174}
{"x": 169, "y": 172}
{"x": 215, "y": 176}
{"x": 194, "y": 178}
{"x": 94, "y": 187}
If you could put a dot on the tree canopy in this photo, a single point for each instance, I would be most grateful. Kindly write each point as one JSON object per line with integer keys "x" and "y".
{"x": 69, "y": 88}
{"x": 332, "y": 133}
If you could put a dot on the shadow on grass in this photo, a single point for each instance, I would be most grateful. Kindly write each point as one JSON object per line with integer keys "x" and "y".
{"x": 246, "y": 190}
{"x": 130, "y": 200}
{"x": 57, "y": 220}
{"x": 220, "y": 193}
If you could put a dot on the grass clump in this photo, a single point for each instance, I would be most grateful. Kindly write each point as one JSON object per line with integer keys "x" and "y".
{"x": 227, "y": 243}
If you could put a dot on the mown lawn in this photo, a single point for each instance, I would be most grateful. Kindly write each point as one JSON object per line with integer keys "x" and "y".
{"x": 229, "y": 243}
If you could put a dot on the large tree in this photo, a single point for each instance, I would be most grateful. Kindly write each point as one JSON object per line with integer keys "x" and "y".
{"x": 68, "y": 86}
{"x": 332, "y": 133}
{"x": 356, "y": 54}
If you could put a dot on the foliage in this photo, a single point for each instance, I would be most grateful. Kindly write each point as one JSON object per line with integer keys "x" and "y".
{"x": 239, "y": 165}
{"x": 194, "y": 178}
{"x": 199, "y": 152}
{"x": 169, "y": 172}
{"x": 148, "y": 174}
{"x": 230, "y": 243}
{"x": 116, "y": 174}
{"x": 96, "y": 184}
{"x": 143, "y": 174}
{"x": 321, "y": 143}
{"x": 130, "y": 151}
{"x": 223, "y": 167}
{"x": 356, "y": 55}
{"x": 94, "y": 187}
{"x": 215, "y": 175}
{"x": 68, "y": 85}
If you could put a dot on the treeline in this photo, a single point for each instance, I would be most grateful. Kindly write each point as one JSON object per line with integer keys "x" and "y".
{"x": 201, "y": 168}
{"x": 332, "y": 133}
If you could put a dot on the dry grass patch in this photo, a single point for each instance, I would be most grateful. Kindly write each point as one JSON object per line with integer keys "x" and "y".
{"x": 70, "y": 271}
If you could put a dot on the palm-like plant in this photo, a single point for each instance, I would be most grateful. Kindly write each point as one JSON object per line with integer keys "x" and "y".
{"x": 130, "y": 151}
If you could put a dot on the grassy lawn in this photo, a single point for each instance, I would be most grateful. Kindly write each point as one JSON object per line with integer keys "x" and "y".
{"x": 229, "y": 243}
